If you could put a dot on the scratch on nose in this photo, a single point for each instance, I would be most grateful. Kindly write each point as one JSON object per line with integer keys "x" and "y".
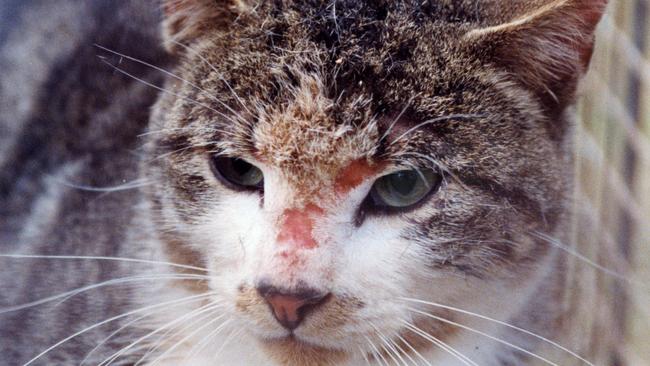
{"x": 297, "y": 226}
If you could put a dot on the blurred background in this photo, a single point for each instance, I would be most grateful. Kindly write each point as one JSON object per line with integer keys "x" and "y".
{"x": 612, "y": 198}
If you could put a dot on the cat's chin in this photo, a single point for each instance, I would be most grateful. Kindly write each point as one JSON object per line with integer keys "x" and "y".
{"x": 291, "y": 340}
{"x": 292, "y": 349}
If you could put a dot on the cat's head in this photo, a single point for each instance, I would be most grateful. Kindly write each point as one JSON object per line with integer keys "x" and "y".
{"x": 328, "y": 160}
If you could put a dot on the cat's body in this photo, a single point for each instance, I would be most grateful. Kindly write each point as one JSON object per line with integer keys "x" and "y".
{"x": 66, "y": 118}
{"x": 324, "y": 98}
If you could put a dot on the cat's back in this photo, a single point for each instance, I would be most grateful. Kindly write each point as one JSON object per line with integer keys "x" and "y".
{"x": 62, "y": 102}
{"x": 69, "y": 127}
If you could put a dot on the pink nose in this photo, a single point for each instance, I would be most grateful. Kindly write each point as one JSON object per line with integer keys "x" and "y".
{"x": 291, "y": 307}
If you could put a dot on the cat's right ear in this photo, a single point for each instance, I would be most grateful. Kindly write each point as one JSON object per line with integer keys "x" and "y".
{"x": 547, "y": 50}
{"x": 185, "y": 21}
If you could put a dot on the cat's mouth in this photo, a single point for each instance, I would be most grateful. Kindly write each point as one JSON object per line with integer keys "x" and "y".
{"x": 292, "y": 347}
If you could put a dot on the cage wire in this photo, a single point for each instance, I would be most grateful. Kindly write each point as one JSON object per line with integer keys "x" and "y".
{"x": 612, "y": 193}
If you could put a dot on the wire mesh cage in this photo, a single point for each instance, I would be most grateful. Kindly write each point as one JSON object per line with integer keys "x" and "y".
{"x": 612, "y": 194}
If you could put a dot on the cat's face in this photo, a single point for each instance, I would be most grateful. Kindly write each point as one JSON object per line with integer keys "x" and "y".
{"x": 328, "y": 166}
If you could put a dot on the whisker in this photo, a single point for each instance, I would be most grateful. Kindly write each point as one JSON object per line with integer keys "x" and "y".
{"x": 196, "y": 53}
{"x": 390, "y": 347}
{"x": 68, "y": 294}
{"x": 200, "y": 316}
{"x": 376, "y": 353}
{"x": 166, "y": 72}
{"x": 401, "y": 113}
{"x": 434, "y": 165}
{"x": 128, "y": 324}
{"x": 197, "y": 349}
{"x": 385, "y": 350}
{"x": 167, "y": 130}
{"x": 438, "y": 119}
{"x": 537, "y": 336}
{"x": 187, "y": 337}
{"x": 402, "y": 352}
{"x": 157, "y": 68}
{"x": 504, "y": 342}
{"x": 137, "y": 183}
{"x": 190, "y": 100}
{"x": 201, "y": 310}
{"x": 113, "y": 334}
{"x": 413, "y": 350}
{"x": 444, "y": 346}
{"x": 364, "y": 354}
{"x": 582, "y": 258}
{"x": 105, "y": 258}
{"x": 106, "y": 321}
{"x": 233, "y": 335}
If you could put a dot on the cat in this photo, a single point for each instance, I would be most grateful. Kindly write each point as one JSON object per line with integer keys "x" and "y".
{"x": 290, "y": 182}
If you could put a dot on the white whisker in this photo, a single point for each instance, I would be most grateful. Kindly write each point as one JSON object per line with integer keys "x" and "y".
{"x": 105, "y": 258}
{"x": 414, "y": 350}
{"x": 198, "y": 348}
{"x": 582, "y": 258}
{"x": 434, "y": 120}
{"x": 129, "y": 323}
{"x": 103, "y": 322}
{"x": 168, "y": 92}
{"x": 194, "y": 313}
{"x": 444, "y": 346}
{"x": 199, "y": 318}
{"x": 401, "y": 351}
{"x": 196, "y": 87}
{"x": 399, "y": 116}
{"x": 117, "y": 281}
{"x": 499, "y": 340}
{"x": 122, "y": 187}
{"x": 537, "y": 336}
{"x": 364, "y": 354}
{"x": 376, "y": 353}
{"x": 187, "y": 337}
{"x": 198, "y": 54}
{"x": 390, "y": 350}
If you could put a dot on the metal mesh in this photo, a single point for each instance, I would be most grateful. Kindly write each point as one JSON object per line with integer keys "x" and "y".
{"x": 612, "y": 226}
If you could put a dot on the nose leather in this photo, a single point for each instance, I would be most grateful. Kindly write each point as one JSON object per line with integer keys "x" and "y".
{"x": 291, "y": 307}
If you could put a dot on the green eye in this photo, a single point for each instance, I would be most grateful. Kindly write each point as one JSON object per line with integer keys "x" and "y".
{"x": 404, "y": 188}
{"x": 237, "y": 173}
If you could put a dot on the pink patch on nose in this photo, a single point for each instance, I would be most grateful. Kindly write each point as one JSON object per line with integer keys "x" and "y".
{"x": 353, "y": 175}
{"x": 298, "y": 225}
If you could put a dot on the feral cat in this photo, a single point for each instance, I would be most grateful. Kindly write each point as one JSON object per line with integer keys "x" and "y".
{"x": 317, "y": 183}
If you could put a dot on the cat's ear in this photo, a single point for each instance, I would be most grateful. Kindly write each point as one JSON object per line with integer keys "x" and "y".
{"x": 187, "y": 20}
{"x": 548, "y": 49}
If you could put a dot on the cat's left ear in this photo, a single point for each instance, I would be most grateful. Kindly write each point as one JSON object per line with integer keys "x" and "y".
{"x": 185, "y": 21}
{"x": 548, "y": 49}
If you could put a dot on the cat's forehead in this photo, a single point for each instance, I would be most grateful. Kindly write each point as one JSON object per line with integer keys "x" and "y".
{"x": 316, "y": 90}
{"x": 314, "y": 87}
{"x": 308, "y": 141}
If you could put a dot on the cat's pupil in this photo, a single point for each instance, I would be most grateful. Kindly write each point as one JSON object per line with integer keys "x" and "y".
{"x": 241, "y": 167}
{"x": 403, "y": 182}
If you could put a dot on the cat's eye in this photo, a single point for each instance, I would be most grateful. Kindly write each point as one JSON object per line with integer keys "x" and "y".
{"x": 237, "y": 173}
{"x": 404, "y": 188}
